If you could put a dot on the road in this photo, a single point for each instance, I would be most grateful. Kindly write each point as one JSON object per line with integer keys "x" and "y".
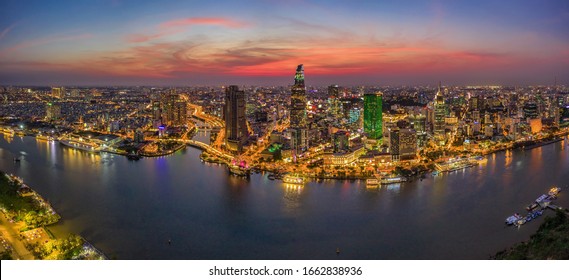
{"x": 10, "y": 233}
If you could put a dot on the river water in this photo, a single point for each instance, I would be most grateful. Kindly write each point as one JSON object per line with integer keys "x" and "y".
{"x": 131, "y": 209}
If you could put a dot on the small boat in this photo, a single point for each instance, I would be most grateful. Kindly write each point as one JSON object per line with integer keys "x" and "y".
{"x": 271, "y": 176}
{"x": 532, "y": 206}
{"x": 291, "y": 179}
{"x": 133, "y": 157}
{"x": 520, "y": 222}
{"x": 512, "y": 219}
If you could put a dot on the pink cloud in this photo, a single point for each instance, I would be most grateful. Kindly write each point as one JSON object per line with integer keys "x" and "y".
{"x": 177, "y": 26}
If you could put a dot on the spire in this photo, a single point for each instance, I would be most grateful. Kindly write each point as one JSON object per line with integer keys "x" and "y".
{"x": 299, "y": 76}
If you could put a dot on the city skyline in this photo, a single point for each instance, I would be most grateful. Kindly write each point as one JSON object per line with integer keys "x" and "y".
{"x": 367, "y": 43}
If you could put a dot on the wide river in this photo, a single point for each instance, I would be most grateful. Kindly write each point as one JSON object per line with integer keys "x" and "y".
{"x": 131, "y": 209}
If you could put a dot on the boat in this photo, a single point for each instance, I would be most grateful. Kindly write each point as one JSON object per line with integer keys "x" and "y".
{"x": 520, "y": 222}
{"x": 532, "y": 206}
{"x": 372, "y": 182}
{"x": 392, "y": 180}
{"x": 133, "y": 157}
{"x": 271, "y": 176}
{"x": 239, "y": 171}
{"x": 554, "y": 191}
{"x": 81, "y": 146}
{"x": 512, "y": 219}
{"x": 292, "y": 179}
{"x": 542, "y": 198}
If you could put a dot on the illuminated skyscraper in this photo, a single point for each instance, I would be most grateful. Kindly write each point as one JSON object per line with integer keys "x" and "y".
{"x": 56, "y": 92}
{"x": 298, "y": 123}
{"x": 175, "y": 110}
{"x": 373, "y": 116}
{"x": 334, "y": 104}
{"x": 440, "y": 114}
{"x": 53, "y": 111}
{"x": 236, "y": 132}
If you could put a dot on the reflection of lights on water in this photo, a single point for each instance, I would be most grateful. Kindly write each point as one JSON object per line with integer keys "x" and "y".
{"x": 394, "y": 187}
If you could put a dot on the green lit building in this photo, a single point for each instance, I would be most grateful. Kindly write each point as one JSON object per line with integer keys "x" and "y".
{"x": 373, "y": 119}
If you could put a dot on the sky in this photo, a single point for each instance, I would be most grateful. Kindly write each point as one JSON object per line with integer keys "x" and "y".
{"x": 187, "y": 43}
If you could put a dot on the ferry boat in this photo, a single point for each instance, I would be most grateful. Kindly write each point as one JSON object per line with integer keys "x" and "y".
{"x": 292, "y": 179}
{"x": 239, "y": 171}
{"x": 44, "y": 137}
{"x": 372, "y": 182}
{"x": 81, "y": 146}
{"x": 512, "y": 219}
{"x": 392, "y": 180}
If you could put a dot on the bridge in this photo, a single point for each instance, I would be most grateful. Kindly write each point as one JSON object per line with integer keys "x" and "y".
{"x": 207, "y": 148}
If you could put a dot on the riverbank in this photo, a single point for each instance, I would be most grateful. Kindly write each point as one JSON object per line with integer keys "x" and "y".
{"x": 550, "y": 242}
{"x": 23, "y": 225}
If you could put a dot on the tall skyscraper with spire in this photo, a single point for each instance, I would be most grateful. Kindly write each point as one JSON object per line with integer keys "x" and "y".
{"x": 236, "y": 132}
{"x": 440, "y": 114}
{"x": 298, "y": 124}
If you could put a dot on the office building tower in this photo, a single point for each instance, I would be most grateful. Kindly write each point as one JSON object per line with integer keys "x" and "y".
{"x": 373, "y": 118}
{"x": 53, "y": 111}
{"x": 236, "y": 132}
{"x": 298, "y": 124}
{"x": 440, "y": 114}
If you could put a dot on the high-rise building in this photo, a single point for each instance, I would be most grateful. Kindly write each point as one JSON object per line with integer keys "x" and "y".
{"x": 175, "y": 110}
{"x": 341, "y": 141}
{"x": 156, "y": 110}
{"x": 440, "y": 114}
{"x": 373, "y": 118}
{"x": 53, "y": 111}
{"x": 394, "y": 143}
{"x": 298, "y": 125}
{"x": 56, "y": 92}
{"x": 419, "y": 122}
{"x": 334, "y": 104}
{"x": 530, "y": 111}
{"x": 236, "y": 132}
{"x": 407, "y": 143}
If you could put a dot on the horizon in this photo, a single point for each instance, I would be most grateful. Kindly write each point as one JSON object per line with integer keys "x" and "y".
{"x": 142, "y": 43}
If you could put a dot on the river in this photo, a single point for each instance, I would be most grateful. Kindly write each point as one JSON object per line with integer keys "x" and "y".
{"x": 131, "y": 209}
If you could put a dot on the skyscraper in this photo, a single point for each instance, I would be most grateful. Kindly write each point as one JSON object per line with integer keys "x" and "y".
{"x": 298, "y": 123}
{"x": 56, "y": 92}
{"x": 334, "y": 105}
{"x": 175, "y": 110}
{"x": 440, "y": 114}
{"x": 53, "y": 111}
{"x": 373, "y": 116}
{"x": 236, "y": 132}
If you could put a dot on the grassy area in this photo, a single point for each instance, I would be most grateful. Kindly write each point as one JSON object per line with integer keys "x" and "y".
{"x": 58, "y": 249}
{"x": 551, "y": 241}
{"x": 23, "y": 208}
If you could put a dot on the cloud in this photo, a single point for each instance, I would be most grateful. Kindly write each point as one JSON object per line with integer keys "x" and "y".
{"x": 6, "y": 30}
{"x": 43, "y": 41}
{"x": 179, "y": 25}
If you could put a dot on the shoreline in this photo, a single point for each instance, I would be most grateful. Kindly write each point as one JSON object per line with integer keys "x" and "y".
{"x": 19, "y": 230}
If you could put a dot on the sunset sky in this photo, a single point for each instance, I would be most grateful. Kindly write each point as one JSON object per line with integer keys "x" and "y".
{"x": 261, "y": 42}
